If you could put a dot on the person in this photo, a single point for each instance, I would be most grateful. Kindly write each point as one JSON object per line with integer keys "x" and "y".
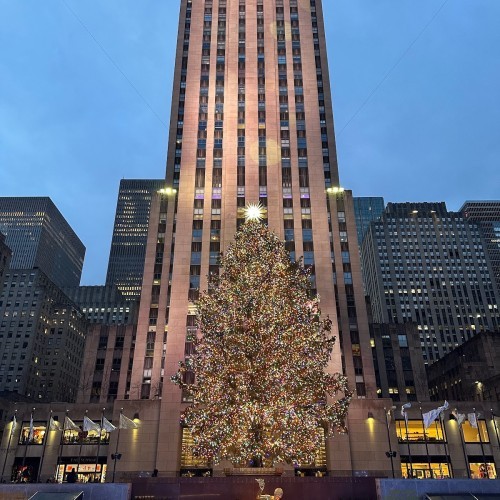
{"x": 72, "y": 476}
{"x": 278, "y": 494}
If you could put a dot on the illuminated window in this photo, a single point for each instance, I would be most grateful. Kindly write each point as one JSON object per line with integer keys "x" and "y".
{"x": 38, "y": 433}
{"x": 483, "y": 470}
{"x": 471, "y": 434}
{"x": 421, "y": 470}
{"x": 416, "y": 431}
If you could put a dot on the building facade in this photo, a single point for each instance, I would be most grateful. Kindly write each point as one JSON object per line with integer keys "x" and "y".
{"x": 426, "y": 265}
{"x": 128, "y": 244}
{"x": 42, "y": 338}
{"x": 39, "y": 236}
{"x": 5, "y": 256}
{"x": 486, "y": 214}
{"x": 366, "y": 210}
{"x": 104, "y": 305}
{"x": 471, "y": 372}
{"x": 251, "y": 122}
{"x": 399, "y": 366}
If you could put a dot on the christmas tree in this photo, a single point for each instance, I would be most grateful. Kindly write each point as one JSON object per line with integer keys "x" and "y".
{"x": 260, "y": 392}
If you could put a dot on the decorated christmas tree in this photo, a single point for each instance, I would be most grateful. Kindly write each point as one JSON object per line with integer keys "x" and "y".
{"x": 261, "y": 389}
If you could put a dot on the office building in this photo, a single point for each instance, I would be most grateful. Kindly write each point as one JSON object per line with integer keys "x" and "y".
{"x": 40, "y": 237}
{"x": 426, "y": 265}
{"x": 486, "y": 214}
{"x": 366, "y": 210}
{"x": 251, "y": 122}
{"x": 5, "y": 256}
{"x": 130, "y": 231}
{"x": 42, "y": 338}
{"x": 471, "y": 372}
{"x": 399, "y": 366}
{"x": 104, "y": 305}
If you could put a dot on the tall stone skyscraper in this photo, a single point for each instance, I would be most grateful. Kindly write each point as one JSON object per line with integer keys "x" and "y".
{"x": 251, "y": 122}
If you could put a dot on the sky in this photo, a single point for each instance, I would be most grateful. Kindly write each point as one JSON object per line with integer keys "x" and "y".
{"x": 85, "y": 91}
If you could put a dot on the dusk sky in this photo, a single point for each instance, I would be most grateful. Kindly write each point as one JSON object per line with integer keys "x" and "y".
{"x": 85, "y": 89}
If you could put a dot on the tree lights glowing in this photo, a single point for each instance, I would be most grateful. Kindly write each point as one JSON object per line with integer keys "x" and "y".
{"x": 261, "y": 387}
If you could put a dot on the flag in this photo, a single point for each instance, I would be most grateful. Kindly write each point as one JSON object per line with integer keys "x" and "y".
{"x": 403, "y": 411}
{"x": 14, "y": 425}
{"x": 107, "y": 425}
{"x": 89, "y": 425}
{"x": 54, "y": 425}
{"x": 430, "y": 416}
{"x": 127, "y": 423}
{"x": 69, "y": 425}
{"x": 30, "y": 434}
{"x": 459, "y": 417}
{"x": 472, "y": 418}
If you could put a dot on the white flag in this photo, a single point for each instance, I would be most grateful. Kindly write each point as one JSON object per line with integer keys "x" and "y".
{"x": 472, "y": 418}
{"x": 459, "y": 417}
{"x": 107, "y": 425}
{"x": 430, "y": 416}
{"x": 126, "y": 423}
{"x": 14, "y": 425}
{"x": 30, "y": 435}
{"x": 88, "y": 425}
{"x": 54, "y": 425}
{"x": 69, "y": 425}
{"x": 403, "y": 411}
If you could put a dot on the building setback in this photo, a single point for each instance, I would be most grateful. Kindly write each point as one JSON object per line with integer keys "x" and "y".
{"x": 366, "y": 210}
{"x": 486, "y": 214}
{"x": 42, "y": 338}
{"x": 39, "y": 236}
{"x": 426, "y": 265}
{"x": 5, "y": 256}
{"x": 471, "y": 372}
{"x": 128, "y": 245}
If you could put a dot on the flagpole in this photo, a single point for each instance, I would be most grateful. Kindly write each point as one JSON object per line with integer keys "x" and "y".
{"x": 8, "y": 446}
{"x": 45, "y": 439}
{"x": 389, "y": 441}
{"x": 426, "y": 445}
{"x": 116, "y": 447}
{"x": 461, "y": 432}
{"x": 409, "y": 449}
{"x": 99, "y": 446}
{"x": 80, "y": 450}
{"x": 493, "y": 416}
{"x": 27, "y": 441}
{"x": 61, "y": 445}
{"x": 481, "y": 442}
{"x": 445, "y": 439}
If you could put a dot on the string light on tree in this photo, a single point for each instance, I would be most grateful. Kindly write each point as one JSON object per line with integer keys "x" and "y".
{"x": 261, "y": 388}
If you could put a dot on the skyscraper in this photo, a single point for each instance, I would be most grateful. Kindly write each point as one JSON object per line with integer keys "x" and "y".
{"x": 39, "y": 236}
{"x": 130, "y": 231}
{"x": 426, "y": 265}
{"x": 486, "y": 214}
{"x": 367, "y": 209}
{"x": 251, "y": 122}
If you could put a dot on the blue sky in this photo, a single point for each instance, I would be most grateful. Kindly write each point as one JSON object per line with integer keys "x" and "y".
{"x": 72, "y": 125}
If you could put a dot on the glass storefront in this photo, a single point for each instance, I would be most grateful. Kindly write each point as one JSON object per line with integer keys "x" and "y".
{"x": 81, "y": 437}
{"x": 434, "y": 432}
{"x": 480, "y": 469}
{"x": 471, "y": 434}
{"x": 37, "y": 435}
{"x": 88, "y": 471}
{"x": 438, "y": 469}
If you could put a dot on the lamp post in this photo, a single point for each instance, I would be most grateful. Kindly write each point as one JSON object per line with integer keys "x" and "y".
{"x": 390, "y": 454}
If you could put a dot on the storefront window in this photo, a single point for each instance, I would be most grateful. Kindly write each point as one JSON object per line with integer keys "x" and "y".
{"x": 416, "y": 431}
{"x": 437, "y": 470}
{"x": 80, "y": 437}
{"x": 483, "y": 470}
{"x": 87, "y": 472}
{"x": 37, "y": 435}
{"x": 471, "y": 434}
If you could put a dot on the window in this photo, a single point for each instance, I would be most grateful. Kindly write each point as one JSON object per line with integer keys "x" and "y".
{"x": 416, "y": 431}
{"x": 38, "y": 433}
{"x": 471, "y": 434}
